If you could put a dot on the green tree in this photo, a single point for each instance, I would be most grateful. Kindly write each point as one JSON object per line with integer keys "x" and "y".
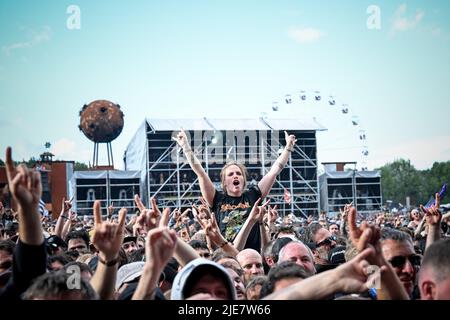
{"x": 399, "y": 180}
{"x": 435, "y": 178}
{"x": 79, "y": 166}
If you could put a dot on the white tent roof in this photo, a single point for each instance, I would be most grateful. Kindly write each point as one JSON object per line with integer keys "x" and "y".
{"x": 205, "y": 124}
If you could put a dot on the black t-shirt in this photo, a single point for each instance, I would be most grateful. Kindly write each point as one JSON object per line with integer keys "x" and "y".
{"x": 231, "y": 213}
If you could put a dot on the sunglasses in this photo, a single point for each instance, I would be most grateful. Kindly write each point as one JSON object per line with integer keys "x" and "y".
{"x": 327, "y": 241}
{"x": 399, "y": 261}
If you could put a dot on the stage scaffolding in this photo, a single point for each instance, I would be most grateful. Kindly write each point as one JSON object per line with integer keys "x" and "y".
{"x": 362, "y": 188}
{"x": 167, "y": 176}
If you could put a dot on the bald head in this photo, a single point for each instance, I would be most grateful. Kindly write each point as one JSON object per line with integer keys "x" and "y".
{"x": 298, "y": 252}
{"x": 251, "y": 262}
{"x": 434, "y": 276}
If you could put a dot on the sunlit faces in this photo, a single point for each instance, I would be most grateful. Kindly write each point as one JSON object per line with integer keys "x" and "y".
{"x": 129, "y": 247}
{"x": 77, "y": 244}
{"x": 204, "y": 253}
{"x": 238, "y": 283}
{"x": 235, "y": 264}
{"x": 392, "y": 251}
{"x": 324, "y": 238}
{"x": 251, "y": 262}
{"x": 298, "y": 253}
{"x": 433, "y": 285}
{"x": 334, "y": 229}
{"x": 234, "y": 181}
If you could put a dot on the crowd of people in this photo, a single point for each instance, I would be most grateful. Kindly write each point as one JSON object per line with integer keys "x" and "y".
{"x": 230, "y": 244}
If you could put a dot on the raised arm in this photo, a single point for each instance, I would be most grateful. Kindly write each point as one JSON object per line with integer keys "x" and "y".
{"x": 107, "y": 239}
{"x": 63, "y": 217}
{"x": 68, "y": 224}
{"x": 159, "y": 248}
{"x": 206, "y": 186}
{"x": 268, "y": 180}
{"x": 344, "y": 215}
{"x": 255, "y": 216}
{"x": 30, "y": 255}
{"x": 366, "y": 236}
{"x": 214, "y": 238}
{"x": 433, "y": 218}
{"x": 25, "y": 186}
{"x": 420, "y": 227}
{"x": 152, "y": 218}
{"x": 350, "y": 277}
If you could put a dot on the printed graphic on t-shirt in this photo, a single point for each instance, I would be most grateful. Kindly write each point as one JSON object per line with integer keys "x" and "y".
{"x": 233, "y": 221}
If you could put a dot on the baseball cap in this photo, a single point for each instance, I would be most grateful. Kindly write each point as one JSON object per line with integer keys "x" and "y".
{"x": 199, "y": 266}
{"x": 129, "y": 272}
{"x": 337, "y": 255}
{"x": 129, "y": 239}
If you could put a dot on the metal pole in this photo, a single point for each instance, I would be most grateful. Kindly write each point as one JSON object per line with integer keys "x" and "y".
{"x": 178, "y": 178}
{"x": 262, "y": 152}
{"x": 291, "y": 182}
{"x": 108, "y": 194}
{"x": 107, "y": 151}
{"x": 112, "y": 159}
{"x": 96, "y": 156}
{"x": 147, "y": 164}
{"x": 95, "y": 152}
{"x": 206, "y": 155}
{"x": 317, "y": 176}
{"x": 354, "y": 191}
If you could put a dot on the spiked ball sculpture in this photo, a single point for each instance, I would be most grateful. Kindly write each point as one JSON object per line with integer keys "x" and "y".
{"x": 101, "y": 122}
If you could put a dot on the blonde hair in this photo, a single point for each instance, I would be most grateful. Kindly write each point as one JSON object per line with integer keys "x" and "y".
{"x": 229, "y": 164}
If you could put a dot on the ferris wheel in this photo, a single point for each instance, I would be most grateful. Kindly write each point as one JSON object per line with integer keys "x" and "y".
{"x": 344, "y": 139}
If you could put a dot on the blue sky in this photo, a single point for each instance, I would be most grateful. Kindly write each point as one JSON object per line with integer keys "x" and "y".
{"x": 229, "y": 59}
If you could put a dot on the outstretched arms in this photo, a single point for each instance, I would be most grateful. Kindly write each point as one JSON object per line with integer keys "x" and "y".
{"x": 206, "y": 186}
{"x": 267, "y": 181}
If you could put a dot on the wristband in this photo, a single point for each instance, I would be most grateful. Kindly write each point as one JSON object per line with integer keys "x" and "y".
{"x": 111, "y": 263}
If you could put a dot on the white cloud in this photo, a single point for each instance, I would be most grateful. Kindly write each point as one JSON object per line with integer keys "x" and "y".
{"x": 66, "y": 149}
{"x": 436, "y": 31}
{"x": 402, "y": 23}
{"x": 305, "y": 35}
{"x": 37, "y": 37}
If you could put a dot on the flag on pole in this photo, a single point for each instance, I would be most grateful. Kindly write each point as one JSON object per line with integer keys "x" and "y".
{"x": 432, "y": 200}
{"x": 287, "y": 196}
